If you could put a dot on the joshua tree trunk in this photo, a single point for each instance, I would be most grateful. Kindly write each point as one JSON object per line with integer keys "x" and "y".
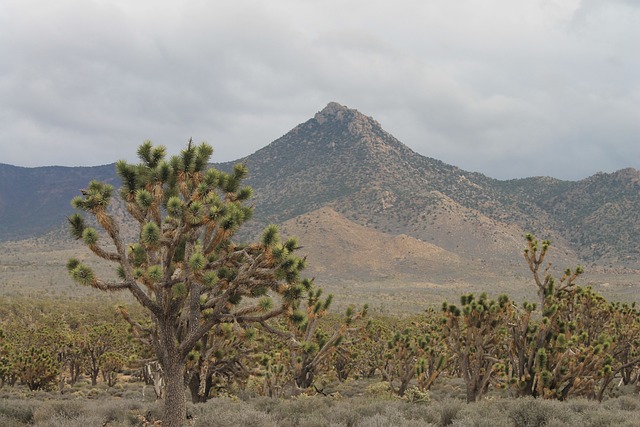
{"x": 175, "y": 403}
{"x": 305, "y": 376}
{"x": 173, "y": 365}
{"x": 194, "y": 388}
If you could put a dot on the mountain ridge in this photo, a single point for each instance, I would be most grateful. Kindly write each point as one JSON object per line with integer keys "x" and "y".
{"x": 342, "y": 162}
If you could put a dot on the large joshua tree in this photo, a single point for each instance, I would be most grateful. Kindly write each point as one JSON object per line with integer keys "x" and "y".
{"x": 183, "y": 267}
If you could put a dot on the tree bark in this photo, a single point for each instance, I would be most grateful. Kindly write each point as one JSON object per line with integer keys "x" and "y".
{"x": 304, "y": 378}
{"x": 175, "y": 400}
{"x": 173, "y": 365}
{"x": 194, "y": 388}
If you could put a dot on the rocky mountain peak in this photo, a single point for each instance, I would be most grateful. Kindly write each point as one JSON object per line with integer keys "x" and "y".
{"x": 629, "y": 174}
{"x": 341, "y": 125}
{"x": 333, "y": 111}
{"x": 355, "y": 120}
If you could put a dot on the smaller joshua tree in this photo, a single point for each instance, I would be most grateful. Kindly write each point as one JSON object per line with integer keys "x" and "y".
{"x": 548, "y": 290}
{"x": 310, "y": 345}
{"x": 184, "y": 267}
{"x": 475, "y": 335}
{"x": 580, "y": 343}
{"x": 536, "y": 348}
{"x": 416, "y": 352}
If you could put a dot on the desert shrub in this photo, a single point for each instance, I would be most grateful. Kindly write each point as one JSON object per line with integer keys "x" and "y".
{"x": 60, "y": 410}
{"x": 351, "y": 412}
{"x": 579, "y": 406}
{"x": 265, "y": 404}
{"x": 307, "y": 420}
{"x": 392, "y": 419}
{"x": 354, "y": 387}
{"x": 247, "y": 417}
{"x": 427, "y": 413}
{"x": 415, "y": 395}
{"x": 554, "y": 422}
{"x": 82, "y": 420}
{"x": 225, "y": 412}
{"x": 624, "y": 403}
{"x": 116, "y": 411}
{"x": 291, "y": 411}
{"x": 368, "y": 407}
{"x": 601, "y": 417}
{"x": 9, "y": 422}
{"x": 530, "y": 412}
{"x": 50, "y": 410}
{"x": 18, "y": 410}
{"x": 380, "y": 389}
{"x": 449, "y": 409}
{"x": 452, "y": 388}
{"x": 486, "y": 413}
{"x": 154, "y": 410}
{"x": 477, "y": 421}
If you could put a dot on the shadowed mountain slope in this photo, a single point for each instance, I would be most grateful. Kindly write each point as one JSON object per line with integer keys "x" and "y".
{"x": 36, "y": 200}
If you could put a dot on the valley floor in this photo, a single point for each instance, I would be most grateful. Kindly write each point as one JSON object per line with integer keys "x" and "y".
{"x": 34, "y": 268}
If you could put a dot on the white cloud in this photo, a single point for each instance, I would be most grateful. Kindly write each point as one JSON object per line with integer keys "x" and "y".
{"x": 506, "y": 88}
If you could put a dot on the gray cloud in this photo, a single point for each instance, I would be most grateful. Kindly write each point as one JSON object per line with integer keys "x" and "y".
{"x": 510, "y": 89}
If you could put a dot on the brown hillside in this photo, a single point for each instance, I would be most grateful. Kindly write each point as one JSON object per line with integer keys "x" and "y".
{"x": 339, "y": 248}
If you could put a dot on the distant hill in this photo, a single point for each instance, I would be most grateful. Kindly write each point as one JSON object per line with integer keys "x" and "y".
{"x": 358, "y": 197}
{"x": 34, "y": 201}
{"x": 339, "y": 248}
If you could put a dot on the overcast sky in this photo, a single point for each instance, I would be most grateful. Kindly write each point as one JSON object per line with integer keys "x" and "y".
{"x": 507, "y": 88}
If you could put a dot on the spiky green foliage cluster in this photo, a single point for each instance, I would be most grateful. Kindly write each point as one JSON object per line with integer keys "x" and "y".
{"x": 96, "y": 196}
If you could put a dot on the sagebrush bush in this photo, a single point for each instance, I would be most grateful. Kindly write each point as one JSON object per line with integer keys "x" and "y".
{"x": 624, "y": 403}
{"x": 427, "y": 413}
{"x": 18, "y": 410}
{"x": 482, "y": 414}
{"x": 115, "y": 410}
{"x": 59, "y": 410}
{"x": 380, "y": 389}
{"x": 396, "y": 420}
{"x": 475, "y": 421}
{"x": 247, "y": 418}
{"x": 449, "y": 409}
{"x": 9, "y": 422}
{"x": 83, "y": 420}
{"x": 604, "y": 418}
{"x": 529, "y": 412}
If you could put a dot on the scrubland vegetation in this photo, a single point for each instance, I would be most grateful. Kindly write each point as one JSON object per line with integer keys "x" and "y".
{"x": 389, "y": 370}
